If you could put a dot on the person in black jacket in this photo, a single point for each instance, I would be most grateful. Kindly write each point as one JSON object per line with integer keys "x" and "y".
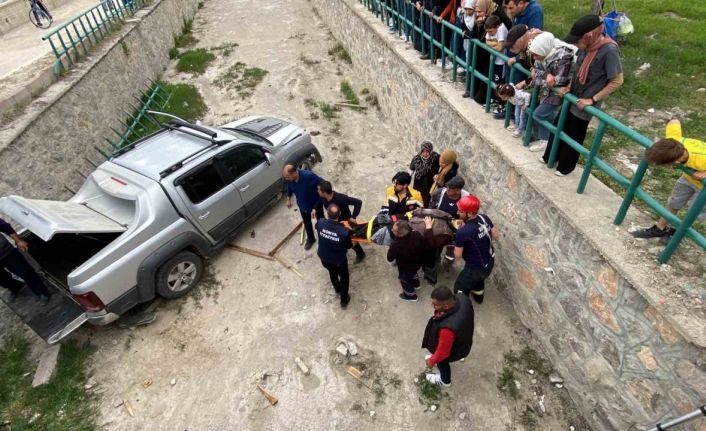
{"x": 344, "y": 204}
{"x": 12, "y": 262}
{"x": 334, "y": 242}
{"x": 449, "y": 333}
{"x": 424, "y": 166}
{"x": 411, "y": 250}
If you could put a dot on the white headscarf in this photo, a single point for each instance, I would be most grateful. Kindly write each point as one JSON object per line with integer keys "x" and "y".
{"x": 470, "y": 21}
{"x": 545, "y": 45}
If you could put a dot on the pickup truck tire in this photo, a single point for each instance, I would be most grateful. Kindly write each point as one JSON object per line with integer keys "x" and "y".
{"x": 304, "y": 164}
{"x": 178, "y": 275}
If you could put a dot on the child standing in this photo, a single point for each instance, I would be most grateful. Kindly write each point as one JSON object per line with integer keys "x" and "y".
{"x": 495, "y": 36}
{"x": 521, "y": 100}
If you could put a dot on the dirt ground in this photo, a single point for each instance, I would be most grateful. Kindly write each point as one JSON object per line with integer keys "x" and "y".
{"x": 245, "y": 324}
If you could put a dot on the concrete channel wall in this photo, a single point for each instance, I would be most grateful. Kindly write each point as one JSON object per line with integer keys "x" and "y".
{"x": 627, "y": 362}
{"x": 47, "y": 147}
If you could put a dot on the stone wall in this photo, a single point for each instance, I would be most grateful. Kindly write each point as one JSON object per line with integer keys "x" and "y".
{"x": 47, "y": 147}
{"x": 627, "y": 362}
{"x": 14, "y": 13}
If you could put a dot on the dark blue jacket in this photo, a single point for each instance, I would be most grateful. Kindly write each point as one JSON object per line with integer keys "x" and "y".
{"x": 532, "y": 17}
{"x": 334, "y": 241}
{"x": 344, "y": 203}
{"x": 306, "y": 190}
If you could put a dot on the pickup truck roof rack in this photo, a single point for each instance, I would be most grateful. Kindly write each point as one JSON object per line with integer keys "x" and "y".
{"x": 179, "y": 125}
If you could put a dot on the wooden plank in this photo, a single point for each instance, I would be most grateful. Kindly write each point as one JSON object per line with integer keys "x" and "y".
{"x": 350, "y": 105}
{"x": 288, "y": 265}
{"x": 285, "y": 239}
{"x": 250, "y": 251}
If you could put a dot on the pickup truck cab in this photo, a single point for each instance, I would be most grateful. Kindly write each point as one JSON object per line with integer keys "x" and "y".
{"x": 143, "y": 221}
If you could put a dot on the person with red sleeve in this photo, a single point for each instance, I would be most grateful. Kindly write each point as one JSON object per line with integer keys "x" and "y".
{"x": 449, "y": 333}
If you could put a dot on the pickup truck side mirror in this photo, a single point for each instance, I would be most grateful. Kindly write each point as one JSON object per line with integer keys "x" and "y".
{"x": 268, "y": 158}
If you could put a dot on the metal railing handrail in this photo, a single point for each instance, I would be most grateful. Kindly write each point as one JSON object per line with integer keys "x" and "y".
{"x": 632, "y": 186}
{"x": 86, "y": 30}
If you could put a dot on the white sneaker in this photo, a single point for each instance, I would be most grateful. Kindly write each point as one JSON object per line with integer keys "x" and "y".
{"x": 517, "y": 133}
{"x": 559, "y": 174}
{"x": 511, "y": 128}
{"x": 541, "y": 160}
{"x": 403, "y": 37}
{"x": 435, "y": 379}
{"x": 538, "y": 146}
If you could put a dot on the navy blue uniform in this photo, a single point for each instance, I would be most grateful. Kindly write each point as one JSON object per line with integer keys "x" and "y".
{"x": 344, "y": 203}
{"x": 479, "y": 255}
{"x": 334, "y": 242}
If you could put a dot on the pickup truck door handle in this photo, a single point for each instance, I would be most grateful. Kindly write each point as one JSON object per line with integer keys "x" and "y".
{"x": 245, "y": 187}
{"x": 205, "y": 215}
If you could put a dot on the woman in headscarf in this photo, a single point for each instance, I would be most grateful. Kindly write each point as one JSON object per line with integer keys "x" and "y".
{"x": 552, "y": 67}
{"x": 484, "y": 9}
{"x": 448, "y": 168}
{"x": 425, "y": 165}
{"x": 599, "y": 73}
{"x": 465, "y": 20}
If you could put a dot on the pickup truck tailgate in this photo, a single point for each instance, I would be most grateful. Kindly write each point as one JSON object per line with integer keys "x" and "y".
{"x": 53, "y": 321}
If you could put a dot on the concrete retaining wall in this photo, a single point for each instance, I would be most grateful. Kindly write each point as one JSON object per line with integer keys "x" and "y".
{"x": 45, "y": 149}
{"x": 627, "y": 361}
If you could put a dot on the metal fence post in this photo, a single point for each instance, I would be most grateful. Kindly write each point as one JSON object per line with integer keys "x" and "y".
{"x": 530, "y": 117}
{"x": 557, "y": 135}
{"x": 472, "y": 91}
{"x": 489, "y": 84}
{"x": 597, "y": 141}
{"x": 696, "y": 207}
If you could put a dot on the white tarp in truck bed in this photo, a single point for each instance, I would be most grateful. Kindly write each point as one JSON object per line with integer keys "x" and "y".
{"x": 46, "y": 218}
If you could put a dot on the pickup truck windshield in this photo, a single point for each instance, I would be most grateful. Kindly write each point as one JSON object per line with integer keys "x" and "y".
{"x": 247, "y": 136}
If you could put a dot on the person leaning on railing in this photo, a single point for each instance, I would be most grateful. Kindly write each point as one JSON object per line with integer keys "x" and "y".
{"x": 678, "y": 150}
{"x": 599, "y": 73}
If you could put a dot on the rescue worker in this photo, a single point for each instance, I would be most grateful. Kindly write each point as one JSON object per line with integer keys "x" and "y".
{"x": 303, "y": 184}
{"x": 449, "y": 333}
{"x": 334, "y": 242}
{"x": 474, "y": 243}
{"x": 343, "y": 202}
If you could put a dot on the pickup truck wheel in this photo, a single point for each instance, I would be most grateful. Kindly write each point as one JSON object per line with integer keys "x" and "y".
{"x": 177, "y": 276}
{"x": 305, "y": 164}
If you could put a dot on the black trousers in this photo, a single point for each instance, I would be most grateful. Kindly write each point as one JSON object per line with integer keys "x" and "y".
{"x": 339, "y": 278}
{"x": 445, "y": 371}
{"x": 567, "y": 157}
{"x": 16, "y": 264}
{"x": 308, "y": 225}
{"x": 472, "y": 281}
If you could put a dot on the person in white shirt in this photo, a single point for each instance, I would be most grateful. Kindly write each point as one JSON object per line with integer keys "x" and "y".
{"x": 495, "y": 35}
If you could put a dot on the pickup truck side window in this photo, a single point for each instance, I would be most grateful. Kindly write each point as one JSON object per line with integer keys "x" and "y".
{"x": 242, "y": 159}
{"x": 202, "y": 183}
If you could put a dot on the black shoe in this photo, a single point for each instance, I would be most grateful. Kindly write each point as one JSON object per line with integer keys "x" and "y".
{"x": 668, "y": 237}
{"x": 652, "y": 232}
{"x": 309, "y": 243}
{"x": 43, "y": 300}
{"x": 499, "y": 115}
{"x": 424, "y": 57}
{"x": 405, "y": 297}
{"x": 344, "y": 302}
{"x": 477, "y": 298}
{"x": 466, "y": 95}
{"x": 14, "y": 294}
{"x": 359, "y": 258}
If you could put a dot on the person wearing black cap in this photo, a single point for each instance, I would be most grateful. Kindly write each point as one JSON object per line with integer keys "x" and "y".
{"x": 401, "y": 198}
{"x": 598, "y": 74}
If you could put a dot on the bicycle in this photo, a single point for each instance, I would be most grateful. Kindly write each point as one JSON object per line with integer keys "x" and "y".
{"x": 39, "y": 15}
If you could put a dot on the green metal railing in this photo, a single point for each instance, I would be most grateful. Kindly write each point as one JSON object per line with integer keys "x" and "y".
{"x": 75, "y": 37}
{"x": 432, "y": 43}
{"x": 138, "y": 123}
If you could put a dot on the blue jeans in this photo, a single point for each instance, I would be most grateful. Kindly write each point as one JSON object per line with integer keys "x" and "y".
{"x": 545, "y": 112}
{"x": 520, "y": 118}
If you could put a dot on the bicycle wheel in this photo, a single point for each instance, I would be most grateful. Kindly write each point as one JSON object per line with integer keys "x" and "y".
{"x": 39, "y": 18}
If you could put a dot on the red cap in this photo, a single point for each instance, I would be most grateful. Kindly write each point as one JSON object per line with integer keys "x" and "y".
{"x": 469, "y": 204}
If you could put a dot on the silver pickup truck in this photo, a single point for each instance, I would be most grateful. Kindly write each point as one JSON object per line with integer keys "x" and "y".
{"x": 143, "y": 221}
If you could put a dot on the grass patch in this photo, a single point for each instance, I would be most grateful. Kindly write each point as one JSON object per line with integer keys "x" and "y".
{"x": 173, "y": 53}
{"x": 186, "y": 38}
{"x": 195, "y": 61}
{"x": 225, "y": 49}
{"x": 308, "y": 61}
{"x": 528, "y": 418}
{"x": 429, "y": 393}
{"x": 62, "y": 404}
{"x": 327, "y": 110}
{"x": 241, "y": 78}
{"x": 339, "y": 52}
{"x": 200, "y": 5}
{"x": 349, "y": 93}
{"x": 506, "y": 382}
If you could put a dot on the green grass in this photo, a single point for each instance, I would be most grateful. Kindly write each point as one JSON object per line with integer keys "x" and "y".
{"x": 241, "y": 78}
{"x": 186, "y": 38}
{"x": 195, "y": 61}
{"x": 506, "y": 382}
{"x": 225, "y": 49}
{"x": 429, "y": 393}
{"x": 62, "y": 403}
{"x": 349, "y": 93}
{"x": 339, "y": 52}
